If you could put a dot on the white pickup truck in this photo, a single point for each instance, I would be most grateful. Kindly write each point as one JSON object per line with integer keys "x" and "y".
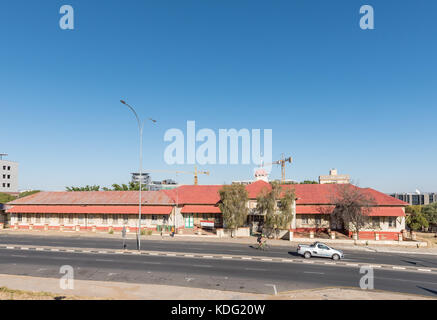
{"x": 318, "y": 249}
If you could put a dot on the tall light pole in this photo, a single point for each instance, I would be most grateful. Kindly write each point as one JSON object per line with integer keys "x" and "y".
{"x": 140, "y": 127}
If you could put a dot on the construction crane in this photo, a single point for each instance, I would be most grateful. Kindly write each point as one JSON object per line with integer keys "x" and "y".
{"x": 281, "y": 162}
{"x": 195, "y": 173}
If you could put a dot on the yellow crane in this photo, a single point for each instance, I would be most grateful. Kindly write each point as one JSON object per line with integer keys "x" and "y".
{"x": 281, "y": 162}
{"x": 195, "y": 173}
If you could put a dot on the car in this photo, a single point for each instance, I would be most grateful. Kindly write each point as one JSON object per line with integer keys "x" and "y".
{"x": 319, "y": 249}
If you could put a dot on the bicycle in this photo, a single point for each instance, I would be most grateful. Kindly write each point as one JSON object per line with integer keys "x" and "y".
{"x": 262, "y": 246}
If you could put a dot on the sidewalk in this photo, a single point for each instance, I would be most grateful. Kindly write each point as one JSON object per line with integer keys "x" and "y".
{"x": 48, "y": 288}
{"x": 406, "y": 247}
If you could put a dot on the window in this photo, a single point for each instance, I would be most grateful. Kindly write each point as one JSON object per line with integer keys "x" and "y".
{"x": 70, "y": 219}
{"x": 318, "y": 220}
{"x": 115, "y": 219}
{"x": 90, "y": 219}
{"x": 9, "y": 168}
{"x": 321, "y": 246}
{"x": 125, "y": 219}
{"x": 375, "y": 222}
{"x": 304, "y": 219}
{"x": 9, "y": 176}
{"x": 81, "y": 219}
{"x": 19, "y": 217}
{"x": 9, "y": 185}
{"x": 4, "y": 185}
{"x": 154, "y": 219}
{"x": 61, "y": 218}
{"x": 105, "y": 219}
{"x": 4, "y": 167}
{"x": 38, "y": 218}
{"x": 4, "y": 176}
{"x": 392, "y": 222}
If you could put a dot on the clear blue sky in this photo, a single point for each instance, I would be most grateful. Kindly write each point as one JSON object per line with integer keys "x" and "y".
{"x": 364, "y": 102}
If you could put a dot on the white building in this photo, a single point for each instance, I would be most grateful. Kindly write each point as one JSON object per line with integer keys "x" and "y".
{"x": 8, "y": 176}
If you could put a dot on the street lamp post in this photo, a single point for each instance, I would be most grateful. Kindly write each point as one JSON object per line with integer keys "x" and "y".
{"x": 140, "y": 127}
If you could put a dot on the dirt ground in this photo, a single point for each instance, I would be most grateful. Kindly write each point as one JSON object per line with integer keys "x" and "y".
{"x": 430, "y": 238}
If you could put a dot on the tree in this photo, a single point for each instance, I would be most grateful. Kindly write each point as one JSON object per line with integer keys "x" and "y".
{"x": 309, "y": 182}
{"x": 86, "y": 188}
{"x": 233, "y": 204}
{"x": 430, "y": 213}
{"x": 28, "y": 193}
{"x": 352, "y": 206}
{"x": 5, "y": 198}
{"x": 277, "y": 208}
{"x": 417, "y": 221}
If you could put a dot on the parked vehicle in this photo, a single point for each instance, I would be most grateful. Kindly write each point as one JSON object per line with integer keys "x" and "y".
{"x": 318, "y": 249}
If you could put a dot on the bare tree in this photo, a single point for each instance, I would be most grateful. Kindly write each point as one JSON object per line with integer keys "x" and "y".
{"x": 352, "y": 206}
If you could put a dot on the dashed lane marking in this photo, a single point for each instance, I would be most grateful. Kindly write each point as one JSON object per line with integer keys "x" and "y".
{"x": 391, "y": 267}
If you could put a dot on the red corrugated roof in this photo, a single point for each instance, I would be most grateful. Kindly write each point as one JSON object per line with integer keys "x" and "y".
{"x": 90, "y": 209}
{"x": 206, "y": 194}
{"x": 94, "y": 198}
{"x": 387, "y": 212}
{"x": 311, "y": 209}
{"x": 200, "y": 209}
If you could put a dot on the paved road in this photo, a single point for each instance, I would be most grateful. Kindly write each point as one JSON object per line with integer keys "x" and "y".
{"x": 176, "y": 245}
{"x": 243, "y": 276}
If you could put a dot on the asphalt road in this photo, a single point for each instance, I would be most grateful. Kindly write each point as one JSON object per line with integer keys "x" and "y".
{"x": 241, "y": 275}
{"x": 176, "y": 245}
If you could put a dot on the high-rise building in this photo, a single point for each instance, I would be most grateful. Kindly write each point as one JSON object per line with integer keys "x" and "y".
{"x": 8, "y": 175}
{"x": 416, "y": 199}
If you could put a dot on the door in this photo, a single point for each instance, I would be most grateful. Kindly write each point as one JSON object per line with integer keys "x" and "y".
{"x": 323, "y": 251}
{"x": 189, "y": 221}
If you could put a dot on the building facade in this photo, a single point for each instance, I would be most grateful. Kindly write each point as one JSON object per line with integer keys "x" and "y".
{"x": 194, "y": 206}
{"x": 416, "y": 199}
{"x": 8, "y": 176}
{"x": 334, "y": 177}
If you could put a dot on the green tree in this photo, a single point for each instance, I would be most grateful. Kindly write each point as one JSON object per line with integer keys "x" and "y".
{"x": 417, "y": 221}
{"x": 276, "y": 206}
{"x": 233, "y": 204}
{"x": 309, "y": 182}
{"x": 413, "y": 209}
{"x": 86, "y": 188}
{"x": 28, "y": 193}
{"x": 430, "y": 213}
{"x": 5, "y": 198}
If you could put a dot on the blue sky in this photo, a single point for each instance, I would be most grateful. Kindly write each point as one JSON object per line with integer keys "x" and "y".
{"x": 364, "y": 102}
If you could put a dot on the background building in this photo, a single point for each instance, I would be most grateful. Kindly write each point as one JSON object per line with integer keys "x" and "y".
{"x": 415, "y": 199}
{"x": 334, "y": 177}
{"x": 8, "y": 175}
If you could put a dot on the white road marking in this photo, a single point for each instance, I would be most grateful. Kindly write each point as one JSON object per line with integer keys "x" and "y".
{"x": 153, "y": 254}
{"x": 226, "y": 257}
{"x": 246, "y": 258}
{"x": 274, "y": 288}
{"x": 188, "y": 255}
{"x": 427, "y": 270}
{"x": 399, "y": 268}
{"x": 352, "y": 264}
{"x": 103, "y": 252}
{"x": 23, "y": 248}
{"x": 314, "y": 272}
{"x": 267, "y": 259}
{"x": 171, "y": 254}
{"x": 104, "y": 260}
{"x": 208, "y": 256}
{"x": 39, "y": 249}
{"x": 202, "y": 265}
{"x": 53, "y": 249}
{"x": 9, "y": 247}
